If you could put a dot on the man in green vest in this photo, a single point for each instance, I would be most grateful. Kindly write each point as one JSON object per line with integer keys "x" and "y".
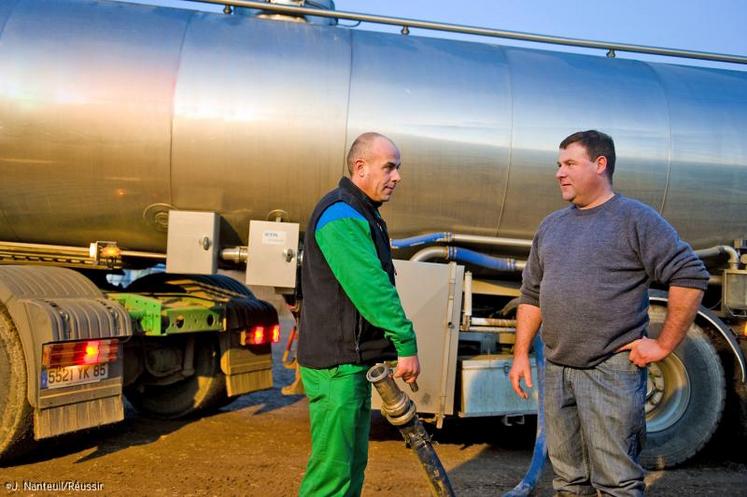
{"x": 351, "y": 317}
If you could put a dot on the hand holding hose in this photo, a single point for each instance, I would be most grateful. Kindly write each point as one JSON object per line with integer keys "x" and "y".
{"x": 408, "y": 368}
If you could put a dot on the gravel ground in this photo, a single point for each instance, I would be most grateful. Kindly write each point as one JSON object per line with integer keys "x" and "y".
{"x": 258, "y": 445}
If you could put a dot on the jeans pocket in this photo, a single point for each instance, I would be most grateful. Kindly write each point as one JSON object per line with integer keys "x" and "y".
{"x": 619, "y": 374}
{"x": 619, "y": 363}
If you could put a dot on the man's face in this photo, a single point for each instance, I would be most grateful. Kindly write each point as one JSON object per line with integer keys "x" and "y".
{"x": 378, "y": 173}
{"x": 581, "y": 178}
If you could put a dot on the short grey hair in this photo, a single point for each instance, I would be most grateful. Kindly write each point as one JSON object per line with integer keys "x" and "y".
{"x": 360, "y": 147}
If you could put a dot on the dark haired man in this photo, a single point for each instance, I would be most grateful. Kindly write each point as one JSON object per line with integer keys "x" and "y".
{"x": 351, "y": 317}
{"x": 586, "y": 284}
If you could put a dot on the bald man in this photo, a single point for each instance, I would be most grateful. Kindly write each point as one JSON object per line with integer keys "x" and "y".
{"x": 351, "y": 317}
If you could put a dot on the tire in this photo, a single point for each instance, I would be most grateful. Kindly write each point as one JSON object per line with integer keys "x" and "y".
{"x": 202, "y": 391}
{"x": 16, "y": 415}
{"x": 732, "y": 432}
{"x": 685, "y": 397}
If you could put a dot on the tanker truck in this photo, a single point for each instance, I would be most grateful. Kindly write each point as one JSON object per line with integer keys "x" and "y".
{"x": 134, "y": 136}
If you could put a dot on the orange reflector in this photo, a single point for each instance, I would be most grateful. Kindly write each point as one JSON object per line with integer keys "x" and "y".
{"x": 276, "y": 333}
{"x": 63, "y": 354}
{"x": 111, "y": 252}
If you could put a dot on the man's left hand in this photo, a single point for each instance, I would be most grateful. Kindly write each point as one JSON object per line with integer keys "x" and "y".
{"x": 644, "y": 350}
{"x": 408, "y": 368}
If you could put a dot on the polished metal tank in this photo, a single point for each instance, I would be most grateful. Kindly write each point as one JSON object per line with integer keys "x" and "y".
{"x": 112, "y": 113}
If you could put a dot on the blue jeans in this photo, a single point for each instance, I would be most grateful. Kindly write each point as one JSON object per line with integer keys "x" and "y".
{"x": 595, "y": 427}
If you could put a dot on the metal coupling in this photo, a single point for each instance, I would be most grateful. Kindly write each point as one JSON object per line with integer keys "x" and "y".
{"x": 236, "y": 255}
{"x": 398, "y": 408}
{"x": 402, "y": 419}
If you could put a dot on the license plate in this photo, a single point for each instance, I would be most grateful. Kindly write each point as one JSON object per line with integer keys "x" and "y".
{"x": 73, "y": 375}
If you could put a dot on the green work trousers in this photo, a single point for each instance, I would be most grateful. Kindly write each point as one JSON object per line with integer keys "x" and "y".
{"x": 340, "y": 415}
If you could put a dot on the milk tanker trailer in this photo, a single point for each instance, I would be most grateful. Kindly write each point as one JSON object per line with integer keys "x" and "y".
{"x": 132, "y": 135}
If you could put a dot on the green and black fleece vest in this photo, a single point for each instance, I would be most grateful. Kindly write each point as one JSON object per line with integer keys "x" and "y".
{"x": 351, "y": 311}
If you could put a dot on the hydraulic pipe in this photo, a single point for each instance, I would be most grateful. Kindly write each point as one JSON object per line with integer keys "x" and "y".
{"x": 447, "y": 237}
{"x": 505, "y": 323}
{"x": 414, "y": 241}
{"x": 429, "y": 253}
{"x": 498, "y": 241}
{"x": 526, "y": 486}
{"x": 459, "y": 254}
{"x": 611, "y": 47}
{"x": 470, "y": 256}
{"x": 401, "y": 412}
{"x": 144, "y": 255}
{"x": 731, "y": 252}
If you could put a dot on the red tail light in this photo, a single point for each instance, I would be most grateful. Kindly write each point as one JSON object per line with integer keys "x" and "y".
{"x": 255, "y": 336}
{"x": 60, "y": 355}
{"x": 259, "y": 335}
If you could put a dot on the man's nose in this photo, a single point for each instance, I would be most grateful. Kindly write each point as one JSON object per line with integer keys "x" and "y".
{"x": 395, "y": 176}
{"x": 560, "y": 173}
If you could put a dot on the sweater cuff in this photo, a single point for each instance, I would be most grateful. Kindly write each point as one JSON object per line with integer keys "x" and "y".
{"x": 407, "y": 347}
{"x": 699, "y": 284}
{"x": 528, "y": 299}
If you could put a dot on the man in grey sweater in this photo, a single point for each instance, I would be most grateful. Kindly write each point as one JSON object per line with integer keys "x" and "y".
{"x": 586, "y": 283}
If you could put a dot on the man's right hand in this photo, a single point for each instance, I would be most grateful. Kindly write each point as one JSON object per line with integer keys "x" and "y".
{"x": 528, "y": 321}
{"x": 408, "y": 368}
{"x": 521, "y": 369}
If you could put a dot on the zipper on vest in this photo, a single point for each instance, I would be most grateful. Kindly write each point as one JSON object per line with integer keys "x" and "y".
{"x": 358, "y": 334}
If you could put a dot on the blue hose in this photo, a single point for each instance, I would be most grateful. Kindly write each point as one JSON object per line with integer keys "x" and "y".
{"x": 414, "y": 241}
{"x": 539, "y": 456}
{"x": 457, "y": 253}
{"x": 470, "y": 256}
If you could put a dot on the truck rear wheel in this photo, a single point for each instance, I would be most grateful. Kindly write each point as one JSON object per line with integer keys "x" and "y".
{"x": 205, "y": 389}
{"x": 168, "y": 282}
{"x": 16, "y": 415}
{"x": 685, "y": 397}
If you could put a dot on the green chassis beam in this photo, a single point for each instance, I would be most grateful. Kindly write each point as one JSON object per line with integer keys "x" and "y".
{"x": 169, "y": 314}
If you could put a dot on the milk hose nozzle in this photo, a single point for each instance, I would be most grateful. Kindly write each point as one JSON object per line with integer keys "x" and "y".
{"x": 401, "y": 412}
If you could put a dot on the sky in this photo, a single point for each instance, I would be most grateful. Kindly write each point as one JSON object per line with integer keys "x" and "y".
{"x": 700, "y": 25}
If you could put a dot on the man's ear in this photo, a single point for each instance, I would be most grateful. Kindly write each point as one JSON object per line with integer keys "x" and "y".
{"x": 601, "y": 164}
{"x": 359, "y": 167}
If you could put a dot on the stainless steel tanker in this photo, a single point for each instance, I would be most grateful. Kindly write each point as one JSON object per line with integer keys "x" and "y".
{"x": 114, "y": 113}
{"x": 116, "y": 116}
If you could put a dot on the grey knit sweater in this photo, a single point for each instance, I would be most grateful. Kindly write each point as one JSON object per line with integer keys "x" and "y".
{"x": 589, "y": 272}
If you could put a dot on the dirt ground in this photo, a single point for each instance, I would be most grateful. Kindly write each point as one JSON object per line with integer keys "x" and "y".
{"x": 258, "y": 445}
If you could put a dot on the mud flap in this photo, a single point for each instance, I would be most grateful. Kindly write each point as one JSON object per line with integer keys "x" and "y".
{"x": 76, "y": 407}
{"x": 52, "y": 305}
{"x": 246, "y": 370}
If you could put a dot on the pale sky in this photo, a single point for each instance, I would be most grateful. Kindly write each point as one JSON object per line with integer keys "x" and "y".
{"x": 707, "y": 26}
